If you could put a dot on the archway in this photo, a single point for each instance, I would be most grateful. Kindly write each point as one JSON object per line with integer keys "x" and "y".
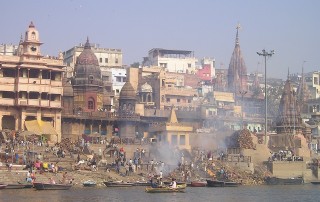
{"x": 8, "y": 122}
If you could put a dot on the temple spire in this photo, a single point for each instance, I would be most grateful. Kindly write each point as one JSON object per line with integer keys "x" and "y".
{"x": 237, "y": 35}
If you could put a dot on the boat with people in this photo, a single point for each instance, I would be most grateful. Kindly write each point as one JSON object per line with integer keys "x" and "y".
{"x": 166, "y": 189}
{"x": 89, "y": 183}
{"x": 118, "y": 184}
{"x": 50, "y": 186}
{"x": 220, "y": 183}
{"x": 284, "y": 181}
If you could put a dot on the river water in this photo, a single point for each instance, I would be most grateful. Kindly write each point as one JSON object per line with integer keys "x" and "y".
{"x": 290, "y": 193}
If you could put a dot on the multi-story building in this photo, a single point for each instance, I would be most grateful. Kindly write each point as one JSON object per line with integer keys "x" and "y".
{"x": 31, "y": 89}
{"x": 179, "y": 61}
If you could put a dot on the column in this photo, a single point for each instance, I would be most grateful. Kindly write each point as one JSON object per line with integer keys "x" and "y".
{"x": 16, "y": 124}
{"x": 1, "y": 122}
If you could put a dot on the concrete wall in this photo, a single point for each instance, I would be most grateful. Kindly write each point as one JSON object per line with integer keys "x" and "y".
{"x": 288, "y": 169}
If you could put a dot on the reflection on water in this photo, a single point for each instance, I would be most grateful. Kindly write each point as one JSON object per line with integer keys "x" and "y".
{"x": 233, "y": 194}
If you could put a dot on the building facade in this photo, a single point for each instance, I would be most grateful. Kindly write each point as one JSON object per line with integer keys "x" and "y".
{"x": 31, "y": 89}
{"x": 179, "y": 61}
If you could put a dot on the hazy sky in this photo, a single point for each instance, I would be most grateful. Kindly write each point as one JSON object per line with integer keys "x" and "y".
{"x": 207, "y": 27}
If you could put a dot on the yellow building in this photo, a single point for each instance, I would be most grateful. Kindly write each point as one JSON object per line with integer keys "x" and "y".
{"x": 172, "y": 132}
{"x": 31, "y": 89}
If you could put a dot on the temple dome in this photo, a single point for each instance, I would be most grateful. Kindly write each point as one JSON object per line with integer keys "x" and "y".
{"x": 127, "y": 91}
{"x": 87, "y": 57}
{"x": 87, "y": 69}
{"x": 146, "y": 88}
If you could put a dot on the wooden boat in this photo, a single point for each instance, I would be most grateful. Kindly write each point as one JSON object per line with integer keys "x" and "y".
{"x": 284, "y": 181}
{"x": 219, "y": 183}
{"x": 3, "y": 186}
{"x": 118, "y": 184}
{"x": 15, "y": 186}
{"x": 315, "y": 182}
{"x": 48, "y": 186}
{"x": 26, "y": 184}
{"x": 179, "y": 188}
{"x": 142, "y": 183}
{"x": 198, "y": 184}
{"x": 89, "y": 183}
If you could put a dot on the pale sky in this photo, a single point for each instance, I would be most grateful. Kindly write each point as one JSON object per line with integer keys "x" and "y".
{"x": 207, "y": 27}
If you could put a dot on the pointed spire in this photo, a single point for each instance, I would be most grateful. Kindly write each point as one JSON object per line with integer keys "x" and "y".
{"x": 31, "y": 25}
{"x": 173, "y": 116}
{"x": 87, "y": 45}
{"x": 237, "y": 35}
{"x": 21, "y": 39}
{"x": 288, "y": 77}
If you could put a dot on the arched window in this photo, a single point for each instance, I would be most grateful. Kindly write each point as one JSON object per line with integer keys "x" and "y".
{"x": 149, "y": 98}
{"x": 33, "y": 35}
{"x": 91, "y": 104}
{"x": 124, "y": 107}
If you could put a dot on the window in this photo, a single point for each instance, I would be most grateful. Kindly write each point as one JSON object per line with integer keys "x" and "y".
{"x": 117, "y": 61}
{"x": 182, "y": 140}
{"x": 117, "y": 91}
{"x": 189, "y": 101}
{"x": 100, "y": 60}
{"x": 106, "y": 60}
{"x": 315, "y": 80}
{"x": 168, "y": 99}
{"x": 118, "y": 79}
{"x": 91, "y": 104}
{"x": 189, "y": 65}
{"x": 91, "y": 79}
{"x": 174, "y": 140}
{"x": 178, "y": 100}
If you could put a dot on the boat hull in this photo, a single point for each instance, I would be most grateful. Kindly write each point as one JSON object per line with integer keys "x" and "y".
{"x": 218, "y": 183}
{"x": 118, "y": 184}
{"x": 48, "y": 186}
{"x": 283, "y": 181}
{"x": 315, "y": 182}
{"x": 3, "y": 186}
{"x": 164, "y": 190}
{"x": 15, "y": 186}
{"x": 198, "y": 184}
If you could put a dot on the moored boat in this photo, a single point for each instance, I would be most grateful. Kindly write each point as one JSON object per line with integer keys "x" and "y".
{"x": 118, "y": 184}
{"x": 198, "y": 184}
{"x": 142, "y": 183}
{"x": 284, "y": 181}
{"x": 48, "y": 186}
{"x": 2, "y": 186}
{"x": 219, "y": 183}
{"x": 315, "y": 182}
{"x": 89, "y": 183}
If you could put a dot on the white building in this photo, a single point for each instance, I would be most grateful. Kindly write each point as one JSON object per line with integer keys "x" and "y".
{"x": 179, "y": 61}
{"x": 107, "y": 57}
{"x": 312, "y": 79}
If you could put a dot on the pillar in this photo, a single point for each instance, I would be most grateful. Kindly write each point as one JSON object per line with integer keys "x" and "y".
{"x": 1, "y": 122}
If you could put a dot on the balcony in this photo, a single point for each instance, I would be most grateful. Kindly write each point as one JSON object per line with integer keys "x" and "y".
{"x": 7, "y": 101}
{"x": 7, "y": 80}
{"x": 44, "y": 103}
{"x": 56, "y": 104}
{"x": 56, "y": 83}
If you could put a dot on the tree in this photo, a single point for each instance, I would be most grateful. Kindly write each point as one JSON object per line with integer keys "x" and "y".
{"x": 135, "y": 64}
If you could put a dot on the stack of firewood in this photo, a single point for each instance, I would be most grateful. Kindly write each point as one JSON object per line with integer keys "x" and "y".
{"x": 241, "y": 139}
{"x": 245, "y": 139}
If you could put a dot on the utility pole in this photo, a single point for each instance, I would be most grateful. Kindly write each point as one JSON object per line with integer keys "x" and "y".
{"x": 265, "y": 54}
{"x": 242, "y": 93}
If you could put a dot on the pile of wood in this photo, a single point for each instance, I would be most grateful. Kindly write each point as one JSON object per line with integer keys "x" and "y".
{"x": 241, "y": 139}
